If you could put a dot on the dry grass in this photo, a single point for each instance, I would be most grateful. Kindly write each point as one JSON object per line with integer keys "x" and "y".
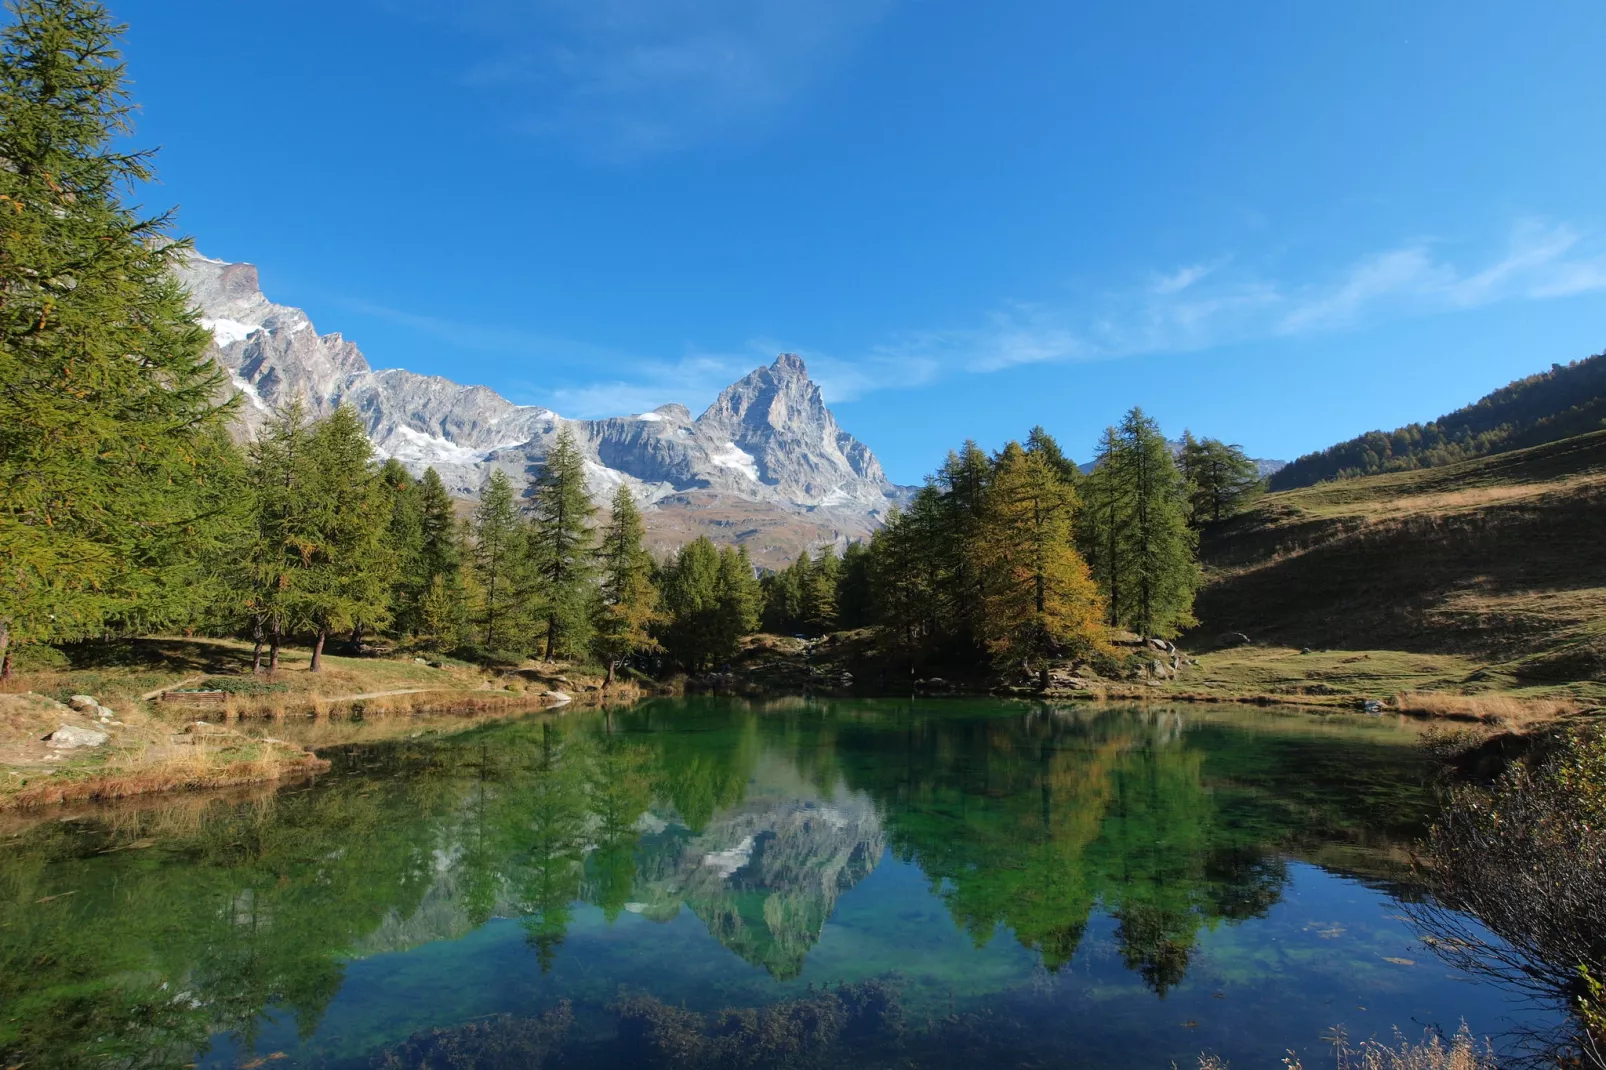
{"x": 1508, "y": 711}
{"x": 1434, "y": 1052}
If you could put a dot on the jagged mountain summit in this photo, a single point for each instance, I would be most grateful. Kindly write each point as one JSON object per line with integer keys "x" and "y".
{"x": 766, "y": 464}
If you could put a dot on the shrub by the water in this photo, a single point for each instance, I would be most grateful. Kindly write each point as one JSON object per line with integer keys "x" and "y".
{"x": 1525, "y": 860}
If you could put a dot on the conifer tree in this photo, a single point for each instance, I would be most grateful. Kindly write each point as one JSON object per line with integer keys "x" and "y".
{"x": 819, "y": 591}
{"x": 498, "y": 546}
{"x": 1040, "y": 443}
{"x": 1105, "y": 514}
{"x": 281, "y": 537}
{"x": 963, "y": 481}
{"x": 690, "y": 585}
{"x": 405, "y": 539}
{"x": 560, "y": 548}
{"x": 1157, "y": 546}
{"x": 783, "y": 596}
{"x": 1222, "y": 480}
{"x": 440, "y": 563}
{"x": 907, "y": 576}
{"x": 351, "y": 566}
{"x": 740, "y": 599}
{"x": 627, "y": 599}
{"x": 1040, "y": 601}
{"x": 853, "y": 589}
{"x": 114, "y": 471}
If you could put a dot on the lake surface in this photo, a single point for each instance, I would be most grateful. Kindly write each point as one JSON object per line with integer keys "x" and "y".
{"x": 938, "y": 882}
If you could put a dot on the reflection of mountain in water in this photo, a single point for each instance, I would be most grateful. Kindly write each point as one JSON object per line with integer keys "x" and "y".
{"x": 763, "y": 875}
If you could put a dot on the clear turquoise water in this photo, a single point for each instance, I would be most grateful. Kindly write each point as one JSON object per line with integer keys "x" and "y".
{"x": 1083, "y": 886}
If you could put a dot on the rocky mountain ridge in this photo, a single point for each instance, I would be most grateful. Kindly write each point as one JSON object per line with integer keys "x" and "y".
{"x": 766, "y": 463}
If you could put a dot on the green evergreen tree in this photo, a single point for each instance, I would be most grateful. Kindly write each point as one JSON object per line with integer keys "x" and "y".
{"x": 783, "y": 596}
{"x": 115, "y": 476}
{"x": 690, "y": 586}
{"x": 498, "y": 549}
{"x": 963, "y": 482}
{"x": 819, "y": 592}
{"x": 854, "y": 587}
{"x": 627, "y": 600}
{"x": 281, "y": 537}
{"x": 908, "y": 578}
{"x": 1222, "y": 480}
{"x": 560, "y": 549}
{"x": 1105, "y": 515}
{"x": 1039, "y": 443}
{"x": 405, "y": 539}
{"x": 351, "y": 566}
{"x": 440, "y": 565}
{"x": 1157, "y": 546}
{"x": 740, "y": 599}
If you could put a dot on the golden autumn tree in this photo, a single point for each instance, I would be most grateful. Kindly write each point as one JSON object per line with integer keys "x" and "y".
{"x": 1039, "y": 600}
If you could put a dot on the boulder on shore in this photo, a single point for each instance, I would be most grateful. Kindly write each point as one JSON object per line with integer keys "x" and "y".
{"x": 68, "y": 737}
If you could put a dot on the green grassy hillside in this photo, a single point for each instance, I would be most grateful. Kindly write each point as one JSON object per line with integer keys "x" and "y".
{"x": 1500, "y": 557}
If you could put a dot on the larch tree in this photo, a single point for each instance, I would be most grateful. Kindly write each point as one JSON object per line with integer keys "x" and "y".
{"x": 281, "y": 543}
{"x": 963, "y": 482}
{"x": 405, "y": 538}
{"x": 627, "y": 600}
{"x": 1042, "y": 444}
{"x": 819, "y": 591}
{"x": 1222, "y": 480}
{"x": 1105, "y": 514}
{"x": 560, "y": 549}
{"x": 440, "y": 564}
{"x": 115, "y": 475}
{"x": 740, "y": 599}
{"x": 497, "y": 565}
{"x": 1157, "y": 545}
{"x": 352, "y": 566}
{"x": 1040, "y": 601}
{"x": 690, "y": 632}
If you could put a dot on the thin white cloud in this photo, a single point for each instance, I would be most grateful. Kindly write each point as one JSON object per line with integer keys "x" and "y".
{"x": 634, "y": 77}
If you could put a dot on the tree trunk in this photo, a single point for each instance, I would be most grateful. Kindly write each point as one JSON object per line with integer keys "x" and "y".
{"x": 608, "y": 681}
{"x": 356, "y": 639}
{"x": 273, "y": 651}
{"x": 256, "y": 650}
{"x": 5, "y": 650}
{"x": 1042, "y": 675}
{"x": 317, "y": 651}
{"x": 551, "y": 635}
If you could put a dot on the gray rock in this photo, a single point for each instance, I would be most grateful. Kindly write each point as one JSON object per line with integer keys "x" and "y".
{"x": 767, "y": 439}
{"x": 83, "y": 702}
{"x": 69, "y": 737}
{"x": 1232, "y": 639}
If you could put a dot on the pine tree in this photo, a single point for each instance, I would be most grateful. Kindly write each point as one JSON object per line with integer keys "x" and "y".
{"x": 783, "y": 596}
{"x": 1222, "y": 480}
{"x": 280, "y": 549}
{"x": 740, "y": 599}
{"x": 819, "y": 592}
{"x": 908, "y": 576}
{"x": 627, "y": 607}
{"x": 963, "y": 481}
{"x": 690, "y": 586}
{"x": 1040, "y": 600}
{"x": 440, "y": 564}
{"x": 498, "y": 547}
{"x": 349, "y": 578}
{"x": 560, "y": 548}
{"x": 405, "y": 539}
{"x": 854, "y": 587}
{"x": 1106, "y": 513}
{"x": 1157, "y": 546}
{"x": 1041, "y": 443}
{"x": 115, "y": 475}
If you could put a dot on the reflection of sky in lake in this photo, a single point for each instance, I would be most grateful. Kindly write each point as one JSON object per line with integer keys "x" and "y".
{"x": 1129, "y": 889}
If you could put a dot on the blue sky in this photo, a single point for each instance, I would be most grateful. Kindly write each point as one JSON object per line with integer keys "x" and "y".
{"x": 1280, "y": 223}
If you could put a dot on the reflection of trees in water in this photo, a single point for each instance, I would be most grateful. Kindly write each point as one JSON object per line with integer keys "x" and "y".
{"x": 1030, "y": 821}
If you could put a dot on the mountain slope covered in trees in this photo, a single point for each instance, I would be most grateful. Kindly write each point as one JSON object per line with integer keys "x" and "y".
{"x": 1569, "y": 399}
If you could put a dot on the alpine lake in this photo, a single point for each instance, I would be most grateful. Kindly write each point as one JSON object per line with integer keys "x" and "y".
{"x": 799, "y": 882}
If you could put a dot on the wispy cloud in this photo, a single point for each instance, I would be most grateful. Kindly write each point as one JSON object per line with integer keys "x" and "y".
{"x": 1219, "y": 302}
{"x": 634, "y": 77}
{"x": 1192, "y": 308}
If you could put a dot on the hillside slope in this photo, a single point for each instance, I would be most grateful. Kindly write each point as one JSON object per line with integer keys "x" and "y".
{"x": 1567, "y": 400}
{"x": 1501, "y": 557}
